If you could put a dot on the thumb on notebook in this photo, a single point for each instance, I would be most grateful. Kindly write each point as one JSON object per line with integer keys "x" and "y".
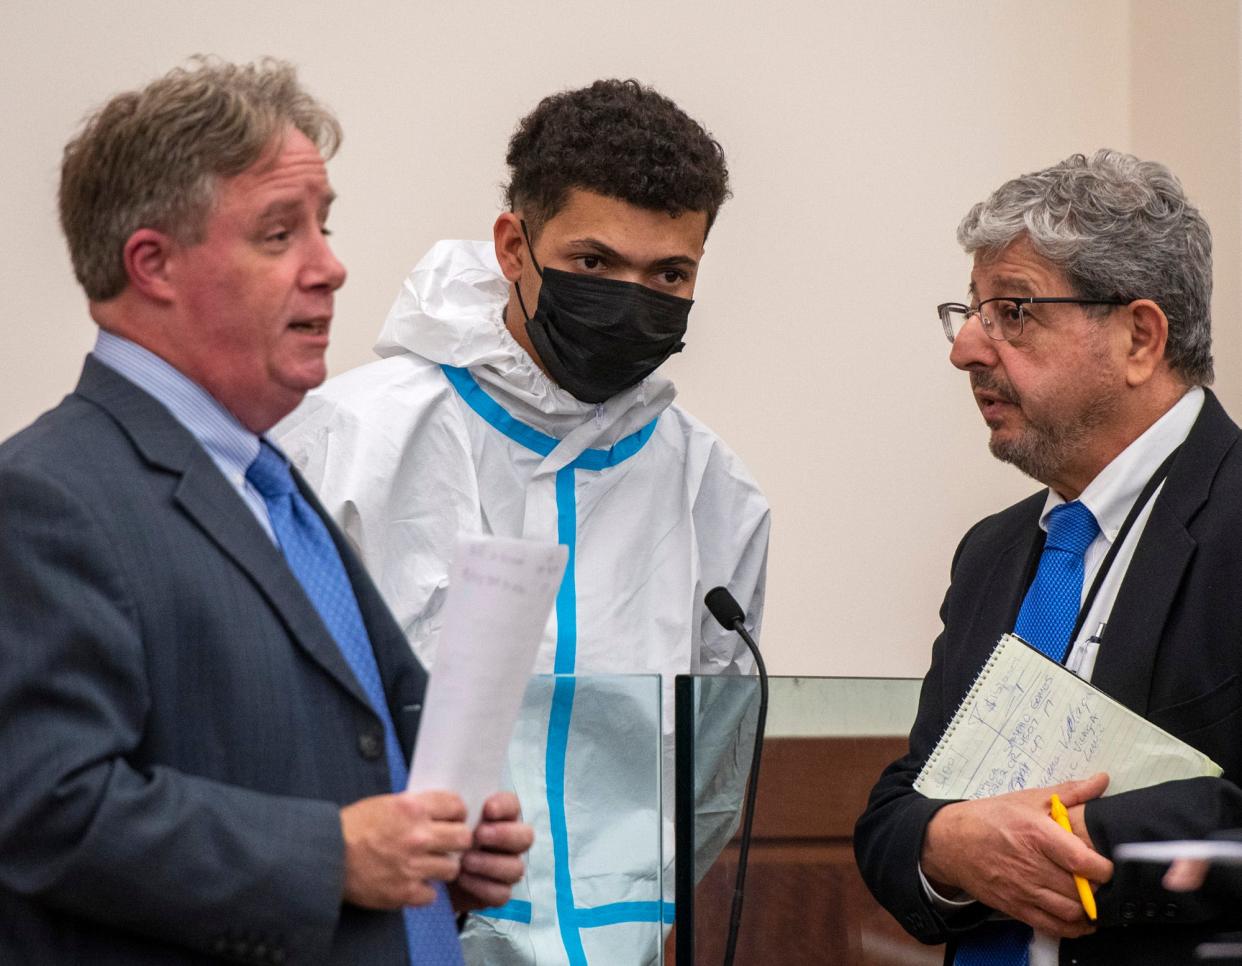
{"x": 1080, "y": 791}
{"x": 1074, "y": 795}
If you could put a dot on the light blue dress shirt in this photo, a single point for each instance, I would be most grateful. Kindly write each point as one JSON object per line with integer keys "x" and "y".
{"x": 231, "y": 446}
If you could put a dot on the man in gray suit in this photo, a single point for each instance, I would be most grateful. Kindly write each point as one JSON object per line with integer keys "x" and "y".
{"x": 205, "y": 708}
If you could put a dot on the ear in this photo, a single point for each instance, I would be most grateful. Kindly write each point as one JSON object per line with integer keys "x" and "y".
{"x": 146, "y": 256}
{"x": 1148, "y": 330}
{"x": 510, "y": 245}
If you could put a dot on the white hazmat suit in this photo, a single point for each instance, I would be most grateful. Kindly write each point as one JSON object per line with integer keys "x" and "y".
{"x": 455, "y": 428}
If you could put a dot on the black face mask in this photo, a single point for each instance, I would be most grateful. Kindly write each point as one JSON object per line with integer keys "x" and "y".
{"x": 598, "y": 336}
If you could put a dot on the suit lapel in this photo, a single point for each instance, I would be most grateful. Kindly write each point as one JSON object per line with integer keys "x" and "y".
{"x": 1136, "y": 623}
{"x": 207, "y": 498}
{"x": 1002, "y": 592}
{"x": 1126, "y": 664}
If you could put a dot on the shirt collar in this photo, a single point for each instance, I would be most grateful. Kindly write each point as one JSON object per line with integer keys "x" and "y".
{"x": 226, "y": 440}
{"x": 1112, "y": 493}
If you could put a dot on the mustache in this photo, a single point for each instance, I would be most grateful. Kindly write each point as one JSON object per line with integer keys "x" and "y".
{"x": 989, "y": 382}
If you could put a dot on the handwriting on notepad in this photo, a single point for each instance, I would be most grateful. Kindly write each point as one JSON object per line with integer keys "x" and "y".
{"x": 1045, "y": 730}
{"x": 1028, "y": 722}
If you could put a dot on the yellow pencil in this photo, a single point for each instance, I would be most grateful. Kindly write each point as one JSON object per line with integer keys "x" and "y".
{"x": 1061, "y": 817}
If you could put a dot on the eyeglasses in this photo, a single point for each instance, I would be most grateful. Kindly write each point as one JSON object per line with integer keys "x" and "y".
{"x": 1002, "y": 318}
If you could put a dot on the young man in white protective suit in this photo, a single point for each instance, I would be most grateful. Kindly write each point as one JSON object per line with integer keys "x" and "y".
{"x": 517, "y": 395}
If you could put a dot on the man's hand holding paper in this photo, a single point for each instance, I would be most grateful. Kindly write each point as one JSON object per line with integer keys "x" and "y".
{"x": 493, "y": 864}
{"x": 396, "y": 846}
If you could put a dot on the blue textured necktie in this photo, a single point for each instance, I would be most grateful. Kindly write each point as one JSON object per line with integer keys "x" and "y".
{"x": 1046, "y": 620}
{"x": 1051, "y": 605}
{"x": 431, "y": 931}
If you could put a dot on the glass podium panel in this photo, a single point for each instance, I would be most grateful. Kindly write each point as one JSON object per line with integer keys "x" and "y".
{"x": 827, "y": 741}
{"x": 586, "y": 761}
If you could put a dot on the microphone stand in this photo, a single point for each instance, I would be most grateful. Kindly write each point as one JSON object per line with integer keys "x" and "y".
{"x": 729, "y": 614}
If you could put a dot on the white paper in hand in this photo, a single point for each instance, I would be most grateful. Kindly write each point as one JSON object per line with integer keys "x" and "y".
{"x": 501, "y": 591}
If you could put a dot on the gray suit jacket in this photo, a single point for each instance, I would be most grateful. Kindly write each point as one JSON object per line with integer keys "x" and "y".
{"x": 177, "y": 727}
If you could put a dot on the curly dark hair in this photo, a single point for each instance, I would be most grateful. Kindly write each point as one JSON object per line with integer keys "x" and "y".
{"x": 618, "y": 138}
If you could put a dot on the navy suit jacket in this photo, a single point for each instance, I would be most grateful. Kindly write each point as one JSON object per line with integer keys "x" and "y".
{"x": 177, "y": 728}
{"x": 1172, "y": 652}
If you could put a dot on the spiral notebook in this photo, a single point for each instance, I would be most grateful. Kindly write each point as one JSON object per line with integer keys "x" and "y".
{"x": 1028, "y": 722}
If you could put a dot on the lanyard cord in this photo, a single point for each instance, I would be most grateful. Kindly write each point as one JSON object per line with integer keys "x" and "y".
{"x": 1144, "y": 497}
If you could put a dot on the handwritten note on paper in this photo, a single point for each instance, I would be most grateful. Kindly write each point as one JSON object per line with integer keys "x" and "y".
{"x": 500, "y": 594}
{"x": 1028, "y": 722}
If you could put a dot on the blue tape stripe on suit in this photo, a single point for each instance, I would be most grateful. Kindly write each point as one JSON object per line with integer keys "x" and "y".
{"x": 558, "y": 744}
{"x": 558, "y": 722}
{"x": 515, "y": 910}
{"x": 621, "y": 450}
{"x": 567, "y": 596}
{"x": 615, "y": 913}
{"x": 569, "y": 918}
{"x": 492, "y": 413}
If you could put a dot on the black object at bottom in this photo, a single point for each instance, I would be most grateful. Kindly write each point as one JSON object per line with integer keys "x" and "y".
{"x": 683, "y": 809}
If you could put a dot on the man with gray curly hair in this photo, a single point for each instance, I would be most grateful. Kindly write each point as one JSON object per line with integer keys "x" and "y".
{"x": 1087, "y": 342}
{"x": 205, "y": 707}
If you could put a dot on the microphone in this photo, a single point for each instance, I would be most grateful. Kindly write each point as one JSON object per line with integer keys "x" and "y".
{"x": 727, "y": 611}
{"x": 729, "y": 614}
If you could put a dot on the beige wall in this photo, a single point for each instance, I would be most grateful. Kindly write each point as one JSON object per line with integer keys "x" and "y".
{"x": 858, "y": 134}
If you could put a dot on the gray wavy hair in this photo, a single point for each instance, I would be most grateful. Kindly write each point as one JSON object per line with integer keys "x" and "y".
{"x": 1118, "y": 228}
{"x": 152, "y": 158}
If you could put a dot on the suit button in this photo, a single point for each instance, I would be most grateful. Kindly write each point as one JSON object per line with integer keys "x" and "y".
{"x": 278, "y": 956}
{"x": 1170, "y": 910}
{"x": 370, "y": 745}
{"x": 220, "y": 947}
{"x": 1150, "y": 910}
{"x": 260, "y": 951}
{"x": 241, "y": 949}
{"x": 1129, "y": 910}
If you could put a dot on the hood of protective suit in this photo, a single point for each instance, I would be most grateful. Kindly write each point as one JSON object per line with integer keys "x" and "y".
{"x": 450, "y": 311}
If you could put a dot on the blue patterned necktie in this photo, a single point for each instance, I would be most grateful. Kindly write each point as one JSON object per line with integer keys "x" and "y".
{"x": 1050, "y": 608}
{"x": 1045, "y": 621}
{"x": 431, "y": 931}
